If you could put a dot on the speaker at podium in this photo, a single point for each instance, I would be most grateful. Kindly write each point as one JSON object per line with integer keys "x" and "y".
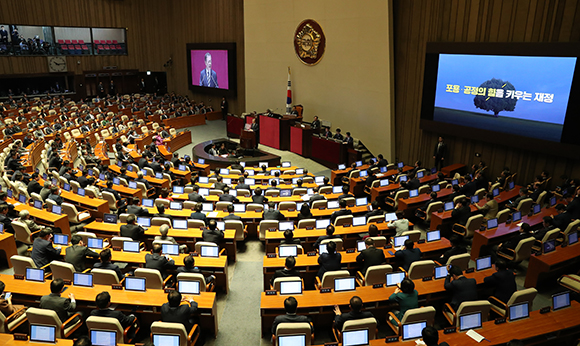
{"x": 247, "y": 137}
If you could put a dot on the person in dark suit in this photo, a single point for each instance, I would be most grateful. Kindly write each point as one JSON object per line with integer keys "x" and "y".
{"x": 503, "y": 281}
{"x": 135, "y": 207}
{"x": 371, "y": 178}
{"x": 78, "y": 252}
{"x": 469, "y": 188}
{"x": 329, "y": 235}
{"x": 329, "y": 260}
{"x": 412, "y": 182}
{"x": 55, "y": 195}
{"x": 258, "y": 197}
{"x": 422, "y": 211}
{"x": 512, "y": 243}
{"x": 523, "y": 195}
{"x": 290, "y": 306}
{"x": 408, "y": 254}
{"x": 231, "y": 215}
{"x": 226, "y": 197}
{"x": 42, "y": 250}
{"x": 34, "y": 185}
{"x": 189, "y": 267}
{"x": 131, "y": 229}
{"x": 156, "y": 260}
{"x": 348, "y": 139}
{"x": 220, "y": 185}
{"x": 456, "y": 249}
{"x": 288, "y": 270}
{"x": 272, "y": 214}
{"x": 105, "y": 263}
{"x": 103, "y": 302}
{"x": 61, "y": 305}
{"x": 207, "y": 76}
{"x": 242, "y": 184}
{"x": 161, "y": 212}
{"x": 224, "y": 108}
{"x": 315, "y": 123}
{"x": 547, "y": 225}
{"x": 175, "y": 312}
{"x": 289, "y": 238}
{"x": 462, "y": 212}
{"x": 375, "y": 211}
{"x": 338, "y": 135}
{"x": 355, "y": 313}
{"x": 195, "y": 196}
{"x": 212, "y": 234}
{"x": 255, "y": 127}
{"x": 455, "y": 192}
{"x": 197, "y": 214}
{"x": 563, "y": 218}
{"x": 461, "y": 288}
{"x": 342, "y": 211}
{"x": 370, "y": 256}
{"x": 574, "y": 207}
{"x": 440, "y": 153}
{"x": 406, "y": 296}
{"x": 316, "y": 196}
{"x": 431, "y": 337}
{"x": 140, "y": 179}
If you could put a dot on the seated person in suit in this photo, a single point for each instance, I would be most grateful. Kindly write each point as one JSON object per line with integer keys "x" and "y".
{"x": 227, "y": 197}
{"x": 272, "y": 214}
{"x": 547, "y": 225}
{"x": 290, "y": 306}
{"x": 131, "y": 229}
{"x": 348, "y": 139}
{"x": 329, "y": 235}
{"x": 490, "y": 208}
{"x": 42, "y": 250}
{"x": 27, "y": 220}
{"x": 461, "y": 288}
{"x": 156, "y": 260}
{"x": 305, "y": 212}
{"x": 373, "y": 232}
{"x": 78, "y": 252}
{"x": 242, "y": 184}
{"x": 563, "y": 218}
{"x": 198, "y": 214}
{"x": 63, "y": 307}
{"x": 134, "y": 207}
{"x": 288, "y": 270}
{"x": 512, "y": 243}
{"x": 231, "y": 215}
{"x": 273, "y": 186}
{"x": 175, "y": 312}
{"x": 329, "y": 260}
{"x": 189, "y": 267}
{"x": 140, "y": 179}
{"x": 345, "y": 192}
{"x": 105, "y": 263}
{"x": 370, "y": 256}
{"x": 219, "y": 185}
{"x": 503, "y": 281}
{"x": 327, "y": 133}
{"x": 431, "y": 337}
{"x": 34, "y": 185}
{"x": 469, "y": 188}
{"x": 315, "y": 196}
{"x": 408, "y": 254}
{"x": 161, "y": 212}
{"x": 342, "y": 211}
{"x": 257, "y": 197}
{"x": 6, "y": 306}
{"x": 400, "y": 225}
{"x": 376, "y": 210}
{"x": 195, "y": 196}
{"x": 289, "y": 238}
{"x": 523, "y": 195}
{"x": 462, "y": 212}
{"x": 406, "y": 296}
{"x": 103, "y": 302}
{"x": 338, "y": 135}
{"x": 355, "y": 313}
{"x": 422, "y": 211}
{"x": 212, "y": 234}
{"x": 412, "y": 182}
{"x": 55, "y": 195}
{"x": 164, "y": 230}
{"x": 455, "y": 193}
{"x": 457, "y": 248}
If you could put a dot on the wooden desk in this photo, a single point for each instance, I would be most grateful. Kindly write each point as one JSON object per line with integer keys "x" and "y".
{"x": 328, "y": 152}
{"x": 186, "y": 121}
{"x": 178, "y": 141}
{"x": 29, "y": 292}
{"x": 301, "y": 140}
{"x": 102, "y": 153}
{"x": 451, "y": 169}
{"x": 337, "y": 174}
{"x": 357, "y": 185}
{"x": 546, "y": 263}
{"x": 123, "y": 190}
{"x": 8, "y": 246}
{"x": 234, "y": 125}
{"x": 160, "y": 183}
{"x": 44, "y": 217}
{"x": 144, "y": 140}
{"x": 83, "y": 202}
{"x": 215, "y": 115}
{"x": 274, "y": 132}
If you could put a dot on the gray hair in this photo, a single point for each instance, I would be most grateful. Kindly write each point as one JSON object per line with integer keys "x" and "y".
{"x": 164, "y": 229}
{"x": 24, "y": 214}
{"x": 139, "y": 174}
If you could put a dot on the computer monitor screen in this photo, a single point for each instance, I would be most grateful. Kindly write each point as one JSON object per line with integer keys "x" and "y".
{"x": 221, "y": 225}
{"x": 291, "y": 287}
{"x": 144, "y": 222}
{"x": 435, "y": 188}
{"x": 383, "y": 169}
{"x": 322, "y": 224}
{"x": 224, "y": 171}
{"x": 344, "y": 284}
{"x": 394, "y": 278}
{"x": 491, "y": 223}
{"x": 38, "y": 204}
{"x": 239, "y": 208}
{"x": 474, "y": 199}
{"x": 537, "y": 208}
{"x": 103, "y": 337}
{"x": 116, "y": 181}
{"x": 90, "y": 171}
{"x": 449, "y": 206}
{"x": 134, "y": 283}
{"x": 355, "y": 337}
{"x": 166, "y": 339}
{"x": 170, "y": 249}
{"x": 42, "y": 333}
{"x": 83, "y": 279}
{"x": 286, "y": 164}
{"x": 384, "y": 182}
{"x": 400, "y": 165}
{"x": 299, "y": 205}
{"x": 420, "y": 174}
{"x": 511, "y": 185}
{"x": 360, "y": 245}
{"x": 440, "y": 272}
{"x": 159, "y": 175}
{"x": 227, "y": 181}
{"x": 363, "y": 174}
{"x": 22, "y": 199}
{"x": 178, "y": 189}
{"x": 203, "y": 191}
{"x": 572, "y": 238}
{"x": 549, "y": 246}
{"x": 495, "y": 192}
{"x": 400, "y": 241}
{"x": 147, "y": 203}
{"x": 433, "y": 236}
{"x": 519, "y": 311}
{"x": 413, "y": 193}
{"x": 552, "y": 201}
{"x": 250, "y": 181}
{"x": 299, "y": 171}
{"x": 287, "y": 251}
{"x": 203, "y": 180}
{"x": 251, "y": 172}
{"x": 286, "y": 225}
{"x": 182, "y": 168}
{"x": 132, "y": 185}
{"x": 207, "y": 207}
{"x": 131, "y": 246}
{"x": 483, "y": 263}
{"x": 322, "y": 249}
{"x": 359, "y": 221}
{"x": 66, "y": 187}
{"x": 201, "y": 161}
{"x": 516, "y": 216}
{"x": 413, "y": 330}
{"x": 35, "y": 274}
{"x": 56, "y": 209}
{"x": 81, "y": 192}
{"x": 180, "y": 224}
{"x": 560, "y": 300}
{"x": 341, "y": 167}
{"x": 102, "y": 176}
{"x": 337, "y": 189}
{"x": 433, "y": 170}
{"x": 9, "y": 192}
{"x": 130, "y": 168}
{"x": 188, "y": 287}
{"x": 285, "y": 193}
{"x": 469, "y": 321}
{"x": 60, "y": 239}
{"x": 319, "y": 180}
{"x": 95, "y": 243}
{"x": 175, "y": 205}
{"x": 209, "y": 251}
{"x": 110, "y": 218}
{"x": 454, "y": 182}
{"x": 292, "y": 340}
{"x": 403, "y": 178}
{"x": 390, "y": 217}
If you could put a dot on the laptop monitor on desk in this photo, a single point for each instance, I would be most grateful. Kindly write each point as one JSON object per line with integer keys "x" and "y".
{"x": 413, "y": 330}
{"x": 358, "y": 337}
{"x": 344, "y": 284}
{"x": 483, "y": 263}
{"x": 83, "y": 279}
{"x": 131, "y": 246}
{"x": 103, "y": 337}
{"x": 42, "y": 333}
{"x": 60, "y": 239}
{"x": 393, "y": 279}
{"x": 560, "y": 300}
{"x": 287, "y": 251}
{"x": 433, "y": 236}
{"x": 470, "y": 321}
{"x": 291, "y": 287}
{"x": 188, "y": 287}
{"x": 133, "y": 283}
{"x": 518, "y": 311}
{"x": 292, "y": 340}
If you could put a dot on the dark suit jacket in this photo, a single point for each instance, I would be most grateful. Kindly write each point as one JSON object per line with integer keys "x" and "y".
{"x": 468, "y": 189}
{"x": 440, "y": 152}
{"x": 181, "y": 314}
{"x": 198, "y": 216}
{"x": 462, "y": 290}
{"x": 195, "y": 197}
{"x": 574, "y": 208}
{"x": 324, "y": 237}
{"x": 137, "y": 210}
{"x": 34, "y": 186}
{"x": 316, "y": 197}
{"x": 43, "y": 252}
{"x": 233, "y": 217}
{"x": 55, "y": 198}
{"x": 272, "y": 215}
{"x": 349, "y": 316}
{"x": 412, "y": 184}
{"x": 228, "y": 198}
{"x": 159, "y": 262}
{"x": 458, "y": 250}
{"x": 111, "y": 266}
{"x": 370, "y": 257}
{"x": 121, "y": 317}
{"x": 214, "y": 236}
{"x": 164, "y": 215}
{"x": 76, "y": 255}
{"x": 408, "y": 257}
{"x": 83, "y": 181}
{"x": 504, "y": 284}
{"x": 374, "y": 213}
{"x": 562, "y": 221}
{"x": 284, "y": 273}
{"x": 243, "y": 186}
{"x": 134, "y": 232}
{"x": 203, "y": 79}
{"x": 288, "y": 318}
{"x": 513, "y": 242}
{"x": 261, "y": 199}
{"x": 61, "y": 305}
{"x": 329, "y": 262}
{"x": 338, "y": 213}
{"x": 460, "y": 215}
{"x": 220, "y": 186}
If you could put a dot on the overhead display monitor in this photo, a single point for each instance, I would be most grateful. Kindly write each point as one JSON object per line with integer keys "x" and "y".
{"x": 212, "y": 68}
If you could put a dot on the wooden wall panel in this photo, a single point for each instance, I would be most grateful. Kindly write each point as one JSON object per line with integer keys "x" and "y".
{"x": 420, "y": 21}
{"x": 156, "y": 30}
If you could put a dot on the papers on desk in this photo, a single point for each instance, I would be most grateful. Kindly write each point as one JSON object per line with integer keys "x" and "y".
{"x": 420, "y": 342}
{"x": 520, "y": 224}
{"x": 17, "y": 204}
{"x": 474, "y": 335}
{"x": 380, "y": 175}
{"x": 212, "y": 214}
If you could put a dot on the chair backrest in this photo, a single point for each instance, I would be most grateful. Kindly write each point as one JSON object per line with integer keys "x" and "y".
{"x": 328, "y": 277}
{"x": 525, "y": 295}
{"x": 86, "y": 235}
{"x": 524, "y": 249}
{"x": 461, "y": 261}
{"x": 118, "y": 241}
{"x": 422, "y": 189}
{"x": 46, "y": 317}
{"x": 337, "y": 241}
{"x": 143, "y": 188}
{"x": 552, "y": 234}
{"x": 413, "y": 235}
{"x": 375, "y": 219}
{"x": 421, "y": 269}
{"x": 433, "y": 207}
{"x": 376, "y": 274}
{"x": 325, "y": 189}
{"x": 164, "y": 202}
{"x": 573, "y": 226}
{"x": 194, "y": 223}
{"x": 503, "y": 215}
{"x": 479, "y": 193}
{"x": 343, "y": 220}
{"x": 272, "y": 193}
{"x": 277, "y": 281}
{"x": 106, "y": 323}
{"x": 71, "y": 211}
{"x": 152, "y": 277}
{"x": 473, "y": 224}
{"x": 238, "y": 226}
{"x": 159, "y": 221}
{"x": 419, "y": 314}
{"x": 482, "y": 306}
{"x": 321, "y": 203}
{"x": 20, "y": 263}
{"x": 222, "y": 205}
{"x": 244, "y": 192}
{"x": 199, "y": 244}
{"x": 369, "y": 323}
{"x": 171, "y": 328}
{"x": 306, "y": 223}
{"x": 104, "y": 276}
{"x": 264, "y": 226}
{"x": 21, "y": 232}
{"x": 400, "y": 195}
{"x": 457, "y": 198}
{"x": 525, "y": 205}
{"x": 62, "y": 270}
{"x": 541, "y": 198}
{"x": 354, "y": 174}
{"x": 287, "y": 205}
{"x": 254, "y": 207}
{"x": 350, "y": 201}
{"x": 294, "y": 329}
{"x": 380, "y": 241}
{"x": 194, "y": 277}
{"x": 110, "y": 198}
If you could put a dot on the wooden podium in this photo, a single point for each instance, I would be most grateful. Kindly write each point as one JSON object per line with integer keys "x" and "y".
{"x": 248, "y": 139}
